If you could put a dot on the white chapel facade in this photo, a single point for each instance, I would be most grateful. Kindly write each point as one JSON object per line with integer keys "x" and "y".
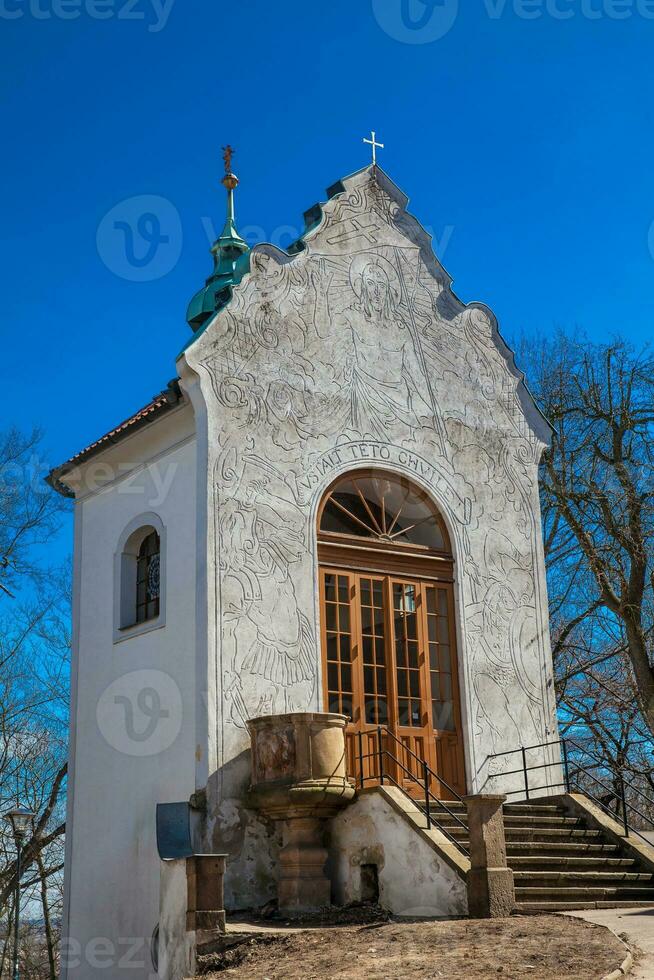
{"x": 333, "y": 507}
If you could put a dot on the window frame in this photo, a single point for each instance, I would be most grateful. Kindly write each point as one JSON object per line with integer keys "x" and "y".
{"x": 397, "y": 547}
{"x": 351, "y": 551}
{"x": 125, "y": 578}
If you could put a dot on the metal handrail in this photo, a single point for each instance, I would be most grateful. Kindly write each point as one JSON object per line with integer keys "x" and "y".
{"x": 634, "y": 789}
{"x": 524, "y": 748}
{"x": 571, "y": 741}
{"x": 602, "y": 762}
{"x": 435, "y": 775}
{"x": 568, "y": 775}
{"x": 381, "y": 752}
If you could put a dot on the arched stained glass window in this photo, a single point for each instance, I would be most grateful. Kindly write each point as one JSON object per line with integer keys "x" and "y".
{"x": 386, "y": 508}
{"x": 148, "y": 569}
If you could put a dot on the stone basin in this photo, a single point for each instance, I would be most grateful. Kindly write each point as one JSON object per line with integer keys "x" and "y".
{"x": 299, "y": 777}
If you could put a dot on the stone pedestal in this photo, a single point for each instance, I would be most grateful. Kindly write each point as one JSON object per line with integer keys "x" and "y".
{"x": 303, "y": 883}
{"x": 299, "y": 777}
{"x": 205, "y": 902}
{"x": 491, "y": 891}
{"x": 191, "y": 912}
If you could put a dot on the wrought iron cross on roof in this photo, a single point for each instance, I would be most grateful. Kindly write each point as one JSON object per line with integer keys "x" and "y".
{"x": 374, "y": 145}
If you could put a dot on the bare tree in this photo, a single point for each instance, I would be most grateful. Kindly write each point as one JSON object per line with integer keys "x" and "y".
{"x": 597, "y": 491}
{"x": 34, "y": 644}
{"x": 29, "y": 513}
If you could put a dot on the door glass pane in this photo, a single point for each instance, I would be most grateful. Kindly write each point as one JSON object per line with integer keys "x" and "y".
{"x": 336, "y": 595}
{"x": 374, "y": 651}
{"x": 407, "y": 653}
{"x": 440, "y": 660}
{"x": 443, "y": 716}
{"x": 330, "y": 588}
{"x": 344, "y": 617}
{"x": 346, "y": 648}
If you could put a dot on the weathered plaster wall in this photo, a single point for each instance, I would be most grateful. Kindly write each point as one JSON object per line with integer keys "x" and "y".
{"x": 176, "y": 946}
{"x": 134, "y": 711}
{"x": 413, "y": 879}
{"x": 356, "y": 352}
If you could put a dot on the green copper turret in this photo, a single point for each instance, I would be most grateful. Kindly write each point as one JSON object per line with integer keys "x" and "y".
{"x": 229, "y": 252}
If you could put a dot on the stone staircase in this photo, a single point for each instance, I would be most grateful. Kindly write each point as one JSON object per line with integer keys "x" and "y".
{"x": 559, "y": 861}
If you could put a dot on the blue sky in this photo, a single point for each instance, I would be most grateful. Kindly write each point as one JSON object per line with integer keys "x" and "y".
{"x": 523, "y": 136}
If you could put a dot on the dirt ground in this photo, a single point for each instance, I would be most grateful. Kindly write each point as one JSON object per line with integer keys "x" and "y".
{"x": 544, "y": 947}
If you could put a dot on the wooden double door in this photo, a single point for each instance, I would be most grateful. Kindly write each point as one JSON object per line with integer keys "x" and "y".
{"x": 389, "y": 659}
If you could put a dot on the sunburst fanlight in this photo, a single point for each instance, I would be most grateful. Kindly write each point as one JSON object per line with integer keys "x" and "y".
{"x": 386, "y": 508}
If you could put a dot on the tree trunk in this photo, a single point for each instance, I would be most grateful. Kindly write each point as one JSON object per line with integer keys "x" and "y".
{"x": 49, "y": 937}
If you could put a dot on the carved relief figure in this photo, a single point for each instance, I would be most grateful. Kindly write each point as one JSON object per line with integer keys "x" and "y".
{"x": 502, "y": 629}
{"x": 270, "y": 638}
{"x": 384, "y": 368}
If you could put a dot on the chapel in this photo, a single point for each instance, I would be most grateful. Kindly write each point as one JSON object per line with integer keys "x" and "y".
{"x": 332, "y": 510}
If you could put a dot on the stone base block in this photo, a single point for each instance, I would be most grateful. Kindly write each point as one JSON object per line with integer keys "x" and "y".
{"x": 304, "y": 894}
{"x": 303, "y": 883}
{"x": 206, "y": 920}
{"x": 491, "y": 894}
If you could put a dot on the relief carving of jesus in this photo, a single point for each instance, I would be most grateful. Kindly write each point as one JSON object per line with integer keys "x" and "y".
{"x": 384, "y": 369}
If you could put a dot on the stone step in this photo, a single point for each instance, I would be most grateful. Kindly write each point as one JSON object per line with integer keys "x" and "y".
{"x": 552, "y": 833}
{"x": 580, "y": 893}
{"x": 560, "y": 849}
{"x": 543, "y": 862}
{"x": 519, "y": 835}
{"x": 525, "y": 908}
{"x": 573, "y": 879}
{"x": 510, "y": 809}
{"x": 536, "y": 809}
{"x": 517, "y": 820}
{"x": 559, "y": 862}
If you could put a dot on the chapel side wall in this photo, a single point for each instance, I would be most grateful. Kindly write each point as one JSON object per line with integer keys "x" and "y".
{"x": 127, "y": 758}
{"x": 72, "y": 738}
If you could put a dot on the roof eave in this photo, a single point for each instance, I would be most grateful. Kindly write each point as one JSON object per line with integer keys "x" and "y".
{"x": 170, "y": 398}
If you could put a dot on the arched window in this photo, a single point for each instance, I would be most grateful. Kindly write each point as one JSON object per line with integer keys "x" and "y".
{"x": 148, "y": 578}
{"x": 388, "y": 622}
{"x": 139, "y": 573}
{"x": 388, "y": 508}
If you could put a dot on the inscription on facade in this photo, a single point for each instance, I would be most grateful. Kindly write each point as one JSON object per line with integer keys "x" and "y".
{"x": 374, "y": 453}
